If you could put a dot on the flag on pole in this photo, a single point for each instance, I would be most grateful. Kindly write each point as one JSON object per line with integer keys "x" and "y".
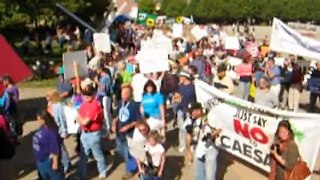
{"x": 286, "y": 39}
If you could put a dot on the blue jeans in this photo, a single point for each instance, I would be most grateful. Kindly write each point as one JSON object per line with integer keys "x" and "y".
{"x": 106, "y": 103}
{"x": 65, "y": 160}
{"x": 91, "y": 142}
{"x": 244, "y": 88}
{"x": 182, "y": 131}
{"x": 148, "y": 177}
{"x": 206, "y": 170}
{"x": 46, "y": 172}
{"x": 123, "y": 150}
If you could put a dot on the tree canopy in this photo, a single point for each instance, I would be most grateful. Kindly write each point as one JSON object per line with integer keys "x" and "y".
{"x": 241, "y": 10}
{"x": 31, "y": 11}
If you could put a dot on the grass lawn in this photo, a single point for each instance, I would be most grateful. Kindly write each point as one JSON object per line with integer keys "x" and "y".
{"x": 38, "y": 84}
{"x": 55, "y": 56}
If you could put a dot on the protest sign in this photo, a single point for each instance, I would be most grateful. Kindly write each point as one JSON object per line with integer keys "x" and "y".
{"x": 199, "y": 33}
{"x": 71, "y": 119}
{"x": 248, "y": 129}
{"x": 146, "y": 43}
{"x": 252, "y": 48}
{"x": 152, "y": 60}
{"x": 232, "y": 43}
{"x": 279, "y": 61}
{"x": 102, "y": 42}
{"x": 11, "y": 64}
{"x": 160, "y": 41}
{"x": 233, "y": 61}
{"x": 177, "y": 30}
{"x": 286, "y": 39}
{"x": 78, "y": 57}
{"x": 146, "y": 19}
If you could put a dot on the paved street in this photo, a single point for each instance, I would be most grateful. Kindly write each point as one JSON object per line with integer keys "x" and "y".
{"x": 229, "y": 167}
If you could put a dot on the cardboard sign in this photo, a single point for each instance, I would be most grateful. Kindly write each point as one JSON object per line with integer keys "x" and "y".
{"x": 152, "y": 60}
{"x": 232, "y": 43}
{"x": 146, "y": 43}
{"x": 233, "y": 61}
{"x": 177, "y": 30}
{"x": 80, "y": 58}
{"x": 11, "y": 64}
{"x": 279, "y": 61}
{"x": 199, "y": 33}
{"x": 164, "y": 43}
{"x": 71, "y": 116}
{"x": 102, "y": 42}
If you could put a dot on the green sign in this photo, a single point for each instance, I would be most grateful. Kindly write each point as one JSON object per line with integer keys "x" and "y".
{"x": 146, "y": 19}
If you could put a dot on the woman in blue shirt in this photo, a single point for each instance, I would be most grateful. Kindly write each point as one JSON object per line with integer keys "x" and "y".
{"x": 46, "y": 147}
{"x": 152, "y": 106}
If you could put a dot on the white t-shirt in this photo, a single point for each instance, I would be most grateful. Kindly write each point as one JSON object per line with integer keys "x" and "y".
{"x": 201, "y": 146}
{"x": 155, "y": 152}
{"x": 137, "y": 83}
{"x": 137, "y": 144}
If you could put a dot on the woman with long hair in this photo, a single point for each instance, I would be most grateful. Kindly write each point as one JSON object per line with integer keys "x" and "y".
{"x": 55, "y": 108}
{"x": 152, "y": 107}
{"x": 46, "y": 147}
{"x": 284, "y": 152}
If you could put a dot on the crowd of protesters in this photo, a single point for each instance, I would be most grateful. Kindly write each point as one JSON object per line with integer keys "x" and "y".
{"x": 116, "y": 98}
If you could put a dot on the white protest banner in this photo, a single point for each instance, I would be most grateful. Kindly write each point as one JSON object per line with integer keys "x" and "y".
{"x": 102, "y": 42}
{"x": 232, "y": 43}
{"x": 177, "y": 30}
{"x": 81, "y": 61}
{"x": 199, "y": 33}
{"x": 152, "y": 60}
{"x": 71, "y": 118}
{"x": 248, "y": 129}
{"x": 285, "y": 39}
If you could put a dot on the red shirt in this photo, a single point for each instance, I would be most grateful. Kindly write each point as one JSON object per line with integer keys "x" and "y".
{"x": 94, "y": 112}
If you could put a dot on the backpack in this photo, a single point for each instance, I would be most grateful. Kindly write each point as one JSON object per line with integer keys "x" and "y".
{"x": 170, "y": 83}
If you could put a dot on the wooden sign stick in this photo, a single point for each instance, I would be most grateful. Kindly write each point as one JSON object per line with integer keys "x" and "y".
{"x": 76, "y": 74}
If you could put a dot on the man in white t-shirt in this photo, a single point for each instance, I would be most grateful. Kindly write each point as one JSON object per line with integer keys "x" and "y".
{"x": 137, "y": 83}
{"x": 202, "y": 136}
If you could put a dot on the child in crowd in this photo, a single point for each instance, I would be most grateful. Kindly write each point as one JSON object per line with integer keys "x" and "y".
{"x": 152, "y": 167}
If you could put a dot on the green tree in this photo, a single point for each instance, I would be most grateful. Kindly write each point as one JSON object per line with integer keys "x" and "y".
{"x": 174, "y": 8}
{"x": 147, "y": 6}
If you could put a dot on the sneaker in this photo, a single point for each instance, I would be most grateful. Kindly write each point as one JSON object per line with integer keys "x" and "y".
{"x": 181, "y": 149}
{"x": 102, "y": 176}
